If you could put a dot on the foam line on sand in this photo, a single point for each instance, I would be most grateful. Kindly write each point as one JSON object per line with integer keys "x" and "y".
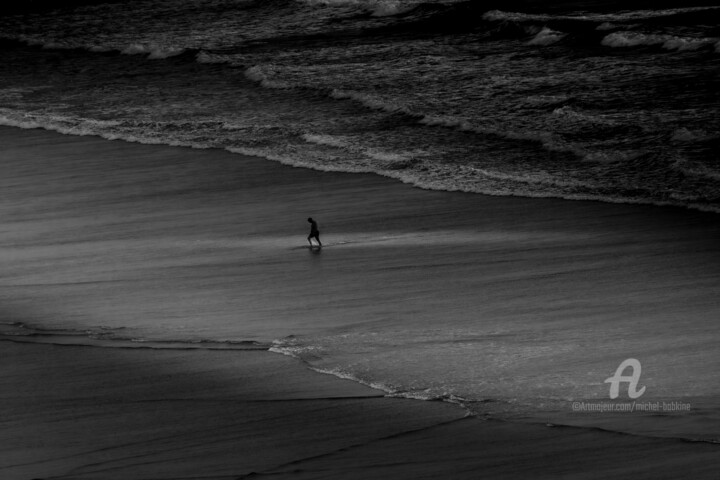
{"x": 79, "y": 413}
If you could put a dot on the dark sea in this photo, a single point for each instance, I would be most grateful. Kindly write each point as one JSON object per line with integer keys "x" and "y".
{"x": 578, "y": 100}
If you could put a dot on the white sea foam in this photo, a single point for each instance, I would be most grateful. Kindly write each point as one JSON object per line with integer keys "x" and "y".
{"x": 153, "y": 51}
{"x": 699, "y": 171}
{"x": 336, "y": 372}
{"x": 387, "y": 9}
{"x": 606, "y": 26}
{"x": 668, "y": 42}
{"x": 685, "y": 135}
{"x": 12, "y": 120}
{"x": 579, "y": 115}
{"x": 205, "y": 57}
{"x": 299, "y": 162}
{"x": 394, "y": 165}
{"x": 14, "y": 93}
{"x": 499, "y": 15}
{"x": 45, "y": 43}
{"x": 545, "y": 99}
{"x": 379, "y": 8}
{"x": 681, "y": 43}
{"x": 308, "y": 354}
{"x": 612, "y": 156}
{"x": 547, "y": 36}
{"x": 77, "y": 126}
{"x": 531, "y": 179}
{"x": 160, "y": 53}
{"x": 450, "y": 181}
{"x": 546, "y": 139}
{"x": 257, "y": 75}
{"x": 389, "y": 160}
{"x": 398, "y": 166}
{"x": 99, "y": 48}
{"x": 330, "y": 140}
{"x": 56, "y": 45}
{"x": 394, "y": 159}
{"x": 371, "y": 101}
{"x": 27, "y": 39}
{"x": 36, "y": 41}
{"x": 392, "y": 391}
{"x": 450, "y": 122}
{"x": 333, "y": 3}
{"x": 134, "y": 49}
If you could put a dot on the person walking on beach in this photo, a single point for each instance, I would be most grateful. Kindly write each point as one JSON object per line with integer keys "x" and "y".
{"x": 314, "y": 233}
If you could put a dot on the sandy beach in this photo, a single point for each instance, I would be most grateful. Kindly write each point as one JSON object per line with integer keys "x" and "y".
{"x": 200, "y": 257}
{"x": 94, "y": 413}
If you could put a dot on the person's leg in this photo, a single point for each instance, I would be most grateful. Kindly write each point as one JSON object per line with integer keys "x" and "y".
{"x": 310, "y": 240}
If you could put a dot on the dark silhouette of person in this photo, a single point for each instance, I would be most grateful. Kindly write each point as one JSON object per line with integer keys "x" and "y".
{"x": 314, "y": 233}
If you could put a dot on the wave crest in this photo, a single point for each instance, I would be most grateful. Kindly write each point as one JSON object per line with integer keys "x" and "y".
{"x": 668, "y": 42}
{"x": 256, "y": 74}
{"x": 377, "y": 8}
{"x": 547, "y": 36}
{"x": 153, "y": 51}
{"x": 501, "y": 16}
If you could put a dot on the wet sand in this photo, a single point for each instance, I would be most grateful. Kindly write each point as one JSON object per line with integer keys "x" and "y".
{"x": 115, "y": 241}
{"x": 72, "y": 412}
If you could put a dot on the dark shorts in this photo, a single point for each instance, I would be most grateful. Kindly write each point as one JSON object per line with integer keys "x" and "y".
{"x": 314, "y": 234}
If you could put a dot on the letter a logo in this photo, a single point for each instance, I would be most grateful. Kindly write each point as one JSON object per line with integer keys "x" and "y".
{"x": 632, "y": 380}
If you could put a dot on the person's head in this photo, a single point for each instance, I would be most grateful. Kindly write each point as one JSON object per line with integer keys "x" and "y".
{"x": 310, "y": 219}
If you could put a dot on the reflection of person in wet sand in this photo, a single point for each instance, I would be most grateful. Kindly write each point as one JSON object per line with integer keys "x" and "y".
{"x": 314, "y": 233}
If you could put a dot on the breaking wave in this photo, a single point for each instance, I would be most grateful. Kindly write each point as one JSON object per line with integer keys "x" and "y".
{"x": 668, "y": 42}
{"x": 561, "y": 121}
{"x": 152, "y": 51}
{"x": 547, "y": 36}
{"x": 635, "y": 15}
{"x": 377, "y": 8}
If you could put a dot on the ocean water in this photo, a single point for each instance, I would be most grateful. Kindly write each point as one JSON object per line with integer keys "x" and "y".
{"x": 579, "y": 101}
{"x": 582, "y": 101}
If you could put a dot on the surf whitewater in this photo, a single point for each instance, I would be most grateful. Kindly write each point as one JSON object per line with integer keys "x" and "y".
{"x": 580, "y": 102}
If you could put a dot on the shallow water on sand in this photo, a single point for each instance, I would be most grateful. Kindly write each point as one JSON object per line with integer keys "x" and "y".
{"x": 513, "y": 307}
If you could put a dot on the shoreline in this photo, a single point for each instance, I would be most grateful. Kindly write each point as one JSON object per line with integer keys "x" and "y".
{"x": 168, "y": 244}
{"x": 19, "y": 334}
{"x": 245, "y": 413}
{"x": 418, "y": 182}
